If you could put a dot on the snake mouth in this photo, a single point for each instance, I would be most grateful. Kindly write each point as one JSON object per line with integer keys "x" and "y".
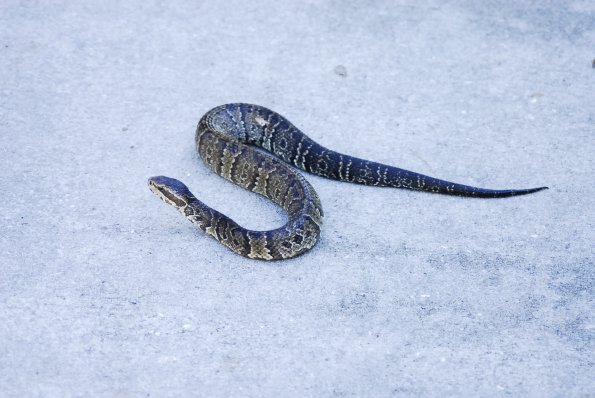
{"x": 170, "y": 190}
{"x": 151, "y": 183}
{"x": 159, "y": 190}
{"x": 155, "y": 187}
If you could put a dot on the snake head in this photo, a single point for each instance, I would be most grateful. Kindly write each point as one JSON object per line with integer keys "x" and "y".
{"x": 171, "y": 191}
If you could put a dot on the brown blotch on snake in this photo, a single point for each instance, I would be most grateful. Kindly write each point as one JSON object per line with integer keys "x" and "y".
{"x": 225, "y": 140}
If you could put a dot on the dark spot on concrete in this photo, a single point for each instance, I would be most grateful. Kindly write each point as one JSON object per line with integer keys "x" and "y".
{"x": 341, "y": 70}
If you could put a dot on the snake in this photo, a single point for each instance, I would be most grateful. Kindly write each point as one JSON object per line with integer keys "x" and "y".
{"x": 255, "y": 147}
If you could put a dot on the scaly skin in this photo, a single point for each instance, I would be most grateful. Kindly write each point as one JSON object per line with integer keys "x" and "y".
{"x": 225, "y": 137}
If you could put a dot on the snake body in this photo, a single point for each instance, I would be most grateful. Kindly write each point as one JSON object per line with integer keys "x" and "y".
{"x": 232, "y": 140}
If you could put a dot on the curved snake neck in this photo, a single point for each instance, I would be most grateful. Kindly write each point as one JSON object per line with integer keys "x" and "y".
{"x": 225, "y": 139}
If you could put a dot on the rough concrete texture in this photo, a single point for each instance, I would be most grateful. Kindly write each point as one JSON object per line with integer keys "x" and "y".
{"x": 105, "y": 291}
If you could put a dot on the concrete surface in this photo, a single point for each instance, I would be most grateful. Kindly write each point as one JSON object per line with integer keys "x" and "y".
{"x": 105, "y": 291}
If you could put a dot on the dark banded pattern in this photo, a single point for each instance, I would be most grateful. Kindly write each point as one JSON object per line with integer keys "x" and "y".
{"x": 225, "y": 139}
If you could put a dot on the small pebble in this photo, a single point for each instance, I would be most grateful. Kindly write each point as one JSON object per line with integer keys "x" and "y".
{"x": 341, "y": 70}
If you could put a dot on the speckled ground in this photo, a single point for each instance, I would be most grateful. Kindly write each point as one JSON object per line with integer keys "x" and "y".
{"x": 105, "y": 291}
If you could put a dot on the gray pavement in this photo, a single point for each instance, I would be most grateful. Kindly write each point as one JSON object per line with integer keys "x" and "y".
{"x": 105, "y": 291}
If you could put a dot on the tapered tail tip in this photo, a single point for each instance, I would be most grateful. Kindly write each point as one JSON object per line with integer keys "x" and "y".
{"x": 540, "y": 189}
{"x": 508, "y": 193}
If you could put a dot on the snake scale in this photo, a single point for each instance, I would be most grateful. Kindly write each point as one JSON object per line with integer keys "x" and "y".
{"x": 232, "y": 140}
